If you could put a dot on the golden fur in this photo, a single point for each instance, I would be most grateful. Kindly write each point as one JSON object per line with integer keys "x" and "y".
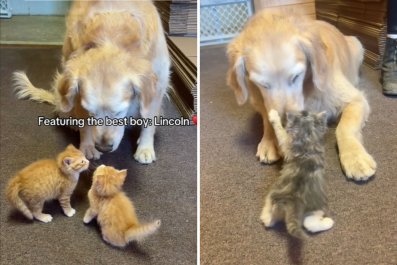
{"x": 115, "y": 213}
{"x": 288, "y": 63}
{"x": 115, "y": 64}
{"x": 46, "y": 180}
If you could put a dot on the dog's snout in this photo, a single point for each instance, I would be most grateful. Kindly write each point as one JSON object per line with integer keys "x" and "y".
{"x": 104, "y": 148}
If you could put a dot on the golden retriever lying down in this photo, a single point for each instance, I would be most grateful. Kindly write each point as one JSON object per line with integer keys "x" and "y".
{"x": 290, "y": 64}
{"x": 115, "y": 64}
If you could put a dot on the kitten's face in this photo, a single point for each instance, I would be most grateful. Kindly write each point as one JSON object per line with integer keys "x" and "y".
{"x": 108, "y": 180}
{"x": 74, "y": 160}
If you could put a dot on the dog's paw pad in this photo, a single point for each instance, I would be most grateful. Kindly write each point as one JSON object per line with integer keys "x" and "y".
{"x": 359, "y": 166}
{"x": 145, "y": 155}
{"x": 90, "y": 151}
{"x": 267, "y": 152}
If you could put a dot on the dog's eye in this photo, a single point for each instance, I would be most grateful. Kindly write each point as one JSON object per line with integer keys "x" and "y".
{"x": 118, "y": 113}
{"x": 293, "y": 80}
{"x": 267, "y": 86}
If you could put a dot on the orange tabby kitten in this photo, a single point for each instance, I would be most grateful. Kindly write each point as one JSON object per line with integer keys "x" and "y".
{"x": 45, "y": 180}
{"x": 114, "y": 211}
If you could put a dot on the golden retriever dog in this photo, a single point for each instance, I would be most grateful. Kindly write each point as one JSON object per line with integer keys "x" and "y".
{"x": 115, "y": 64}
{"x": 287, "y": 63}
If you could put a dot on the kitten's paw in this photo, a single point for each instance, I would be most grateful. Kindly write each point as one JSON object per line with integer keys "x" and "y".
{"x": 316, "y": 223}
{"x": 266, "y": 218}
{"x": 69, "y": 212}
{"x": 358, "y": 164}
{"x": 87, "y": 219}
{"x": 45, "y": 218}
{"x": 145, "y": 155}
{"x": 327, "y": 223}
{"x": 319, "y": 213}
{"x": 267, "y": 152}
{"x": 90, "y": 151}
{"x": 273, "y": 116}
{"x": 88, "y": 216}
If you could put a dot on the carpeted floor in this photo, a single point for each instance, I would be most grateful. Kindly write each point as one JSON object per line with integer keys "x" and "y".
{"x": 164, "y": 190}
{"x": 234, "y": 183}
{"x": 33, "y": 30}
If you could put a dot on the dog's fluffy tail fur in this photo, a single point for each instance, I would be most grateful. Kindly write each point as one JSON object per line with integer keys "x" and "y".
{"x": 12, "y": 194}
{"x": 25, "y": 89}
{"x": 137, "y": 233}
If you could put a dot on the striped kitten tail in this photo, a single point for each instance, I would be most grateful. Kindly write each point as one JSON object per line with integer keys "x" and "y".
{"x": 25, "y": 89}
{"x": 12, "y": 194}
{"x": 293, "y": 220}
{"x": 137, "y": 233}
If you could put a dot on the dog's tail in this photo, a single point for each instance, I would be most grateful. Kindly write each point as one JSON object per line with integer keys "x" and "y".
{"x": 25, "y": 89}
{"x": 12, "y": 194}
{"x": 139, "y": 232}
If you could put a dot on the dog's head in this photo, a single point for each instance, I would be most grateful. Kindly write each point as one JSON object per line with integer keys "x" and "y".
{"x": 105, "y": 82}
{"x": 274, "y": 56}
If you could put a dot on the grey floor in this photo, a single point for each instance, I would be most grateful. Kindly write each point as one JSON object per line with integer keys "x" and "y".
{"x": 32, "y": 30}
{"x": 234, "y": 183}
{"x": 164, "y": 190}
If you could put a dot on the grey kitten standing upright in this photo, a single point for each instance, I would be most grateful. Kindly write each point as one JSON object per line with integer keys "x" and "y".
{"x": 298, "y": 196}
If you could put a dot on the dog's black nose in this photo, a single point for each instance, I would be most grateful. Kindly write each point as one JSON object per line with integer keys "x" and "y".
{"x": 104, "y": 148}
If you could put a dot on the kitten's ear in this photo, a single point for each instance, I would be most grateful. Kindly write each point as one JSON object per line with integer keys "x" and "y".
{"x": 322, "y": 116}
{"x": 67, "y": 161}
{"x": 71, "y": 147}
{"x": 122, "y": 174}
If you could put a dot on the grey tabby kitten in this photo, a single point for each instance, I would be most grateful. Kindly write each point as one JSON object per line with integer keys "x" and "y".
{"x": 298, "y": 196}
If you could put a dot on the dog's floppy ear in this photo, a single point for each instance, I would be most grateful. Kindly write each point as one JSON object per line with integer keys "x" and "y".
{"x": 319, "y": 57}
{"x": 145, "y": 86}
{"x": 148, "y": 91}
{"x": 67, "y": 88}
{"x": 236, "y": 74}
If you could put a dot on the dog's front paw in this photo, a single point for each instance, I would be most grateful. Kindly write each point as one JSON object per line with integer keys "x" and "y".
{"x": 358, "y": 164}
{"x": 145, "y": 155}
{"x": 69, "y": 212}
{"x": 273, "y": 116}
{"x": 267, "y": 152}
{"x": 90, "y": 151}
